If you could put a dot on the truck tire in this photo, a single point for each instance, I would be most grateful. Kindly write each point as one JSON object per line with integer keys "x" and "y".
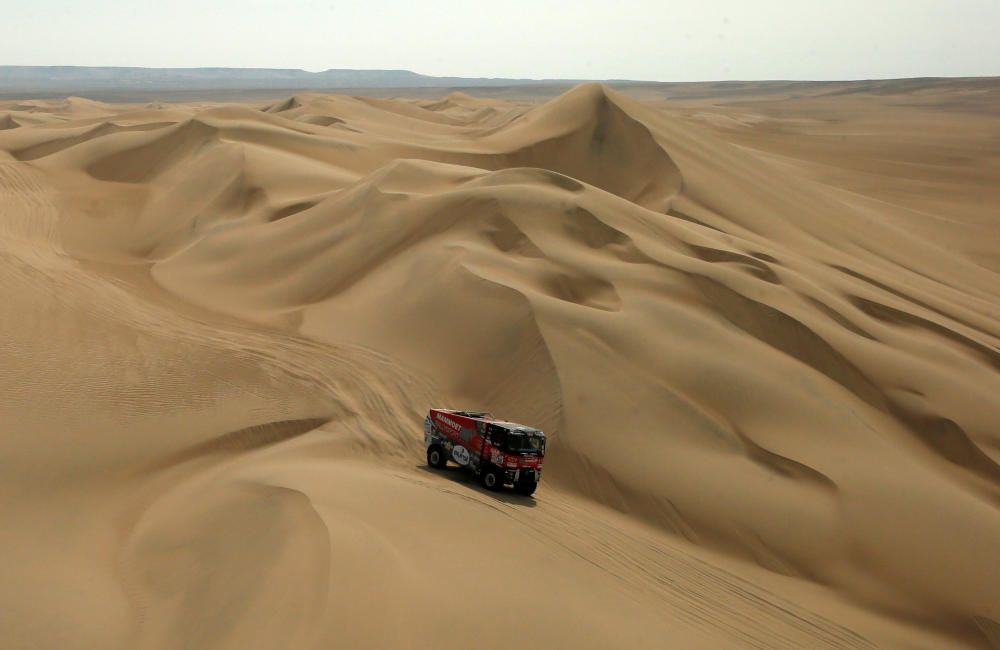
{"x": 436, "y": 457}
{"x": 527, "y": 488}
{"x": 492, "y": 478}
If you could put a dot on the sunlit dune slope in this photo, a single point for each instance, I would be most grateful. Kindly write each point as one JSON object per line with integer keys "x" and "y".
{"x": 771, "y": 394}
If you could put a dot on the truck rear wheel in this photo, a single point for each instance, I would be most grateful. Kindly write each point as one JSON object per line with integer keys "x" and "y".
{"x": 436, "y": 457}
{"x": 491, "y": 478}
{"x": 527, "y": 488}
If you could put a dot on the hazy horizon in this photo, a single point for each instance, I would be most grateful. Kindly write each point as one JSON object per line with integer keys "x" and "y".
{"x": 637, "y": 40}
{"x": 488, "y": 76}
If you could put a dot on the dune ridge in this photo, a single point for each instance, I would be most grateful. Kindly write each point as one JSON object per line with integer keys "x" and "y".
{"x": 772, "y": 402}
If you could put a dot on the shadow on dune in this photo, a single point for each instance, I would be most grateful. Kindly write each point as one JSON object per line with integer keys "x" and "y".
{"x": 462, "y": 477}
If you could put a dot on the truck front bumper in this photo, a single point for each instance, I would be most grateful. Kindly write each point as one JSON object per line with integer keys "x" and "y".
{"x": 522, "y": 474}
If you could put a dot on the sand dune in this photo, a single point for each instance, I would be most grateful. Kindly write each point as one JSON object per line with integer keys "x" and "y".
{"x": 766, "y": 349}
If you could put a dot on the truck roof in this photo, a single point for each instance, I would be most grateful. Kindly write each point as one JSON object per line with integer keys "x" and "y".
{"x": 476, "y": 415}
{"x": 514, "y": 426}
{"x": 487, "y": 417}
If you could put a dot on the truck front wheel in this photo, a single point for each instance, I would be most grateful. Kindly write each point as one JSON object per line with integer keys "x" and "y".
{"x": 436, "y": 457}
{"x": 527, "y": 488}
{"x": 491, "y": 478}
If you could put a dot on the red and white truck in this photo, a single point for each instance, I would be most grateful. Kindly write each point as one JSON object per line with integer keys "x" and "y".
{"x": 497, "y": 451}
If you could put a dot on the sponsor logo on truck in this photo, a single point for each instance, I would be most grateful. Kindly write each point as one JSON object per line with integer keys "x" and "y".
{"x": 461, "y": 455}
{"x": 449, "y": 422}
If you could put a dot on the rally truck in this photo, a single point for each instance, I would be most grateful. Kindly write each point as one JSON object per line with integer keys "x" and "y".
{"x": 497, "y": 451}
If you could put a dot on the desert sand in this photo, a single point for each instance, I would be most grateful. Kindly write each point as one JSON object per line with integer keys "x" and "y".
{"x": 762, "y": 332}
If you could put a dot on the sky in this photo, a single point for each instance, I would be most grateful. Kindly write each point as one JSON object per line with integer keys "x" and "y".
{"x": 657, "y": 40}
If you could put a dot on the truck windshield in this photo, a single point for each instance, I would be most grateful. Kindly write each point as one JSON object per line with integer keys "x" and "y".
{"x": 521, "y": 443}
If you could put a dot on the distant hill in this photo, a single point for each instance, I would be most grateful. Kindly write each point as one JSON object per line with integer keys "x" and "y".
{"x": 66, "y": 79}
{"x": 231, "y": 84}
